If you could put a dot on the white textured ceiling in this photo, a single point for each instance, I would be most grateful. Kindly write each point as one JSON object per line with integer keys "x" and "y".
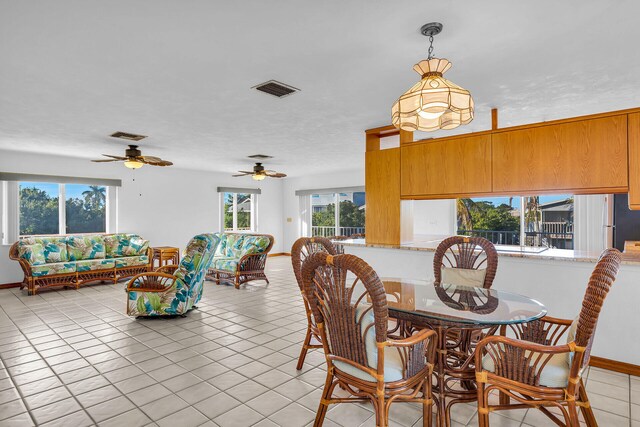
{"x": 72, "y": 72}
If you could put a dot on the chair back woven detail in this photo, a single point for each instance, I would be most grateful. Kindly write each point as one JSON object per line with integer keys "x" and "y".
{"x": 335, "y": 299}
{"x": 303, "y": 248}
{"x": 471, "y": 253}
{"x": 600, "y": 282}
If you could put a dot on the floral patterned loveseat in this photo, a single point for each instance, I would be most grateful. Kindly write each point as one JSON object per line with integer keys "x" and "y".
{"x": 240, "y": 258}
{"x": 75, "y": 260}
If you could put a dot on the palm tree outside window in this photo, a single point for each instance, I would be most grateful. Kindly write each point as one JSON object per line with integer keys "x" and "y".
{"x": 50, "y": 208}
{"x": 537, "y": 221}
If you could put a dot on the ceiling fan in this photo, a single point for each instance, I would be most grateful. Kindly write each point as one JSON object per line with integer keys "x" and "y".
{"x": 259, "y": 173}
{"x": 134, "y": 159}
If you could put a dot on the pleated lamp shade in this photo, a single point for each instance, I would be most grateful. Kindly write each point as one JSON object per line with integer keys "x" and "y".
{"x": 434, "y": 102}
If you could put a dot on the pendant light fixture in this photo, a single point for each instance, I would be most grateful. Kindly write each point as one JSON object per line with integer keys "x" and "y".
{"x": 434, "y": 102}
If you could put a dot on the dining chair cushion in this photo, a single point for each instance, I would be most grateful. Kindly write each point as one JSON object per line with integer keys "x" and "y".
{"x": 571, "y": 336}
{"x": 554, "y": 374}
{"x": 393, "y": 365}
{"x": 463, "y": 276}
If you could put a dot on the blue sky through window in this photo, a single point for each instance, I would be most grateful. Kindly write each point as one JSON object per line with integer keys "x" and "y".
{"x": 497, "y": 201}
{"x": 73, "y": 191}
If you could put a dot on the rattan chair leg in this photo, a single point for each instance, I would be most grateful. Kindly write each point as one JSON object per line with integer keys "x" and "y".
{"x": 305, "y": 348}
{"x": 587, "y": 411}
{"x": 483, "y": 406}
{"x": 324, "y": 401}
{"x": 573, "y": 414}
{"x": 382, "y": 417}
{"x": 427, "y": 406}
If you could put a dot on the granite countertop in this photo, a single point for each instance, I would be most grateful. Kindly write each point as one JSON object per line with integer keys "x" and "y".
{"x": 430, "y": 243}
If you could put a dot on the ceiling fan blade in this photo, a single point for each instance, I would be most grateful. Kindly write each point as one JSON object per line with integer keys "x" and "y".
{"x": 274, "y": 174}
{"x": 243, "y": 174}
{"x": 247, "y": 172}
{"x": 159, "y": 162}
{"x": 115, "y": 157}
{"x": 151, "y": 159}
{"x": 106, "y": 160}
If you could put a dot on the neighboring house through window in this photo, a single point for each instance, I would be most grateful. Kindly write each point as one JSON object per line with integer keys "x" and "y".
{"x": 338, "y": 214}
{"x": 539, "y": 221}
{"x": 239, "y": 209}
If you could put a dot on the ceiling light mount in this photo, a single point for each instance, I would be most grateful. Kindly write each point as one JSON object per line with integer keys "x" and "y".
{"x": 431, "y": 29}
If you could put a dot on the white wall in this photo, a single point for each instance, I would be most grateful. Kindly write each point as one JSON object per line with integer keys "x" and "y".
{"x": 434, "y": 217}
{"x": 291, "y": 231}
{"x": 168, "y": 206}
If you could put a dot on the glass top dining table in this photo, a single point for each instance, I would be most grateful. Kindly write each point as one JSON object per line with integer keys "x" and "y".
{"x": 462, "y": 305}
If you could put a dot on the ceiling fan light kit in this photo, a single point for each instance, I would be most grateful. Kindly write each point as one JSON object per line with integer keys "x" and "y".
{"x": 133, "y": 164}
{"x": 259, "y": 173}
{"x": 434, "y": 102}
{"x": 133, "y": 159}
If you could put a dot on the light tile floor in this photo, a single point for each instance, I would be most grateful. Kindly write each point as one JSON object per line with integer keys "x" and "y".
{"x": 74, "y": 358}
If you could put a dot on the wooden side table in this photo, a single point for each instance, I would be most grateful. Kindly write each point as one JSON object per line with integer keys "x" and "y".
{"x": 166, "y": 255}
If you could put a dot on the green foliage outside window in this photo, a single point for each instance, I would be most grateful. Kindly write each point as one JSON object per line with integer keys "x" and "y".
{"x": 350, "y": 215}
{"x": 484, "y": 215}
{"x": 39, "y": 212}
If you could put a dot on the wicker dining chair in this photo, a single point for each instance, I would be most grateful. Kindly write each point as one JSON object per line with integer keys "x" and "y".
{"x": 475, "y": 254}
{"x": 535, "y": 369}
{"x": 349, "y": 305}
{"x": 300, "y": 251}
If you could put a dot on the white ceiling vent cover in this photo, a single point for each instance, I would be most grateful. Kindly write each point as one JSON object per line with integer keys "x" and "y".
{"x": 276, "y": 88}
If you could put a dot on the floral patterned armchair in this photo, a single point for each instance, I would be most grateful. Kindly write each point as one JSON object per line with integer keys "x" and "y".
{"x": 173, "y": 290}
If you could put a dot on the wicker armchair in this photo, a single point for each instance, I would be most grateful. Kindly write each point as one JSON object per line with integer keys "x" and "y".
{"x": 300, "y": 251}
{"x": 535, "y": 369}
{"x": 349, "y": 305}
{"x": 468, "y": 253}
{"x": 173, "y": 290}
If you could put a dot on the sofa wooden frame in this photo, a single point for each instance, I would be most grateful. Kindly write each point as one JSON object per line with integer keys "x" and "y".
{"x": 250, "y": 267}
{"x": 77, "y": 279}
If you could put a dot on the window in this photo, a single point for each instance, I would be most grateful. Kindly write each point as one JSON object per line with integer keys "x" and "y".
{"x": 239, "y": 211}
{"x": 42, "y": 211}
{"x": 39, "y": 208}
{"x": 86, "y": 208}
{"x": 538, "y": 221}
{"x": 347, "y": 220}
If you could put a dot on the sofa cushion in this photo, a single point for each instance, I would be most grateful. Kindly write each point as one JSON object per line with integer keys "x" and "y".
{"x": 85, "y": 247}
{"x": 53, "y": 268}
{"x": 33, "y": 254}
{"x": 134, "y": 246}
{"x": 227, "y": 264}
{"x": 255, "y": 244}
{"x": 234, "y": 245}
{"x": 131, "y": 261}
{"x": 221, "y": 250}
{"x": 112, "y": 245}
{"x": 55, "y": 248}
{"x": 94, "y": 264}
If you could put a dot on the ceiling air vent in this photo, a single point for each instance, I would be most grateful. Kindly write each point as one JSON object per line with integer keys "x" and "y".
{"x": 260, "y": 157}
{"x": 275, "y": 88}
{"x": 128, "y": 136}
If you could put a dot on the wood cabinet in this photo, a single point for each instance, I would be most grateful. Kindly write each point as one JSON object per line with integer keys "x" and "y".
{"x": 382, "y": 183}
{"x": 634, "y": 160}
{"x": 579, "y": 157}
{"x": 446, "y": 168}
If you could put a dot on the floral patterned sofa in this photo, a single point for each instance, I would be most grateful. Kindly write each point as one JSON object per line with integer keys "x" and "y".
{"x": 75, "y": 260}
{"x": 173, "y": 290}
{"x": 240, "y": 258}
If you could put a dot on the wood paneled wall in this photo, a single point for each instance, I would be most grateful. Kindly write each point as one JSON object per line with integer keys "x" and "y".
{"x": 594, "y": 154}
